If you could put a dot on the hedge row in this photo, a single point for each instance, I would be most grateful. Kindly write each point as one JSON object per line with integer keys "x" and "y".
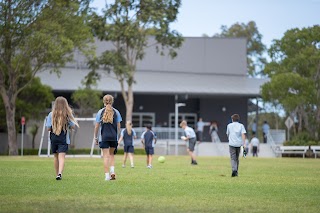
{"x": 78, "y": 151}
{"x": 301, "y": 143}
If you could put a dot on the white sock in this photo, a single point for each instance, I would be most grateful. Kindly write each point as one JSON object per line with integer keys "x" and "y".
{"x": 111, "y": 169}
{"x": 107, "y": 176}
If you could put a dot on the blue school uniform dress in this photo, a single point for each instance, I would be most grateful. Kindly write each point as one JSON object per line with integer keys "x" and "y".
{"x": 128, "y": 140}
{"x": 149, "y": 137}
{"x": 59, "y": 143}
{"x": 108, "y": 132}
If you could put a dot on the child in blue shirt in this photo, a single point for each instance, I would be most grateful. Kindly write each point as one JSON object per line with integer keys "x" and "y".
{"x": 149, "y": 139}
{"x": 106, "y": 132}
{"x": 58, "y": 123}
{"x": 128, "y": 135}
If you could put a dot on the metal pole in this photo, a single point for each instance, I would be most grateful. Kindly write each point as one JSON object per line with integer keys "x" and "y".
{"x": 22, "y": 129}
{"x": 176, "y": 127}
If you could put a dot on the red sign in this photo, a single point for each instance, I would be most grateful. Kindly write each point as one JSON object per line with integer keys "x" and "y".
{"x": 23, "y": 120}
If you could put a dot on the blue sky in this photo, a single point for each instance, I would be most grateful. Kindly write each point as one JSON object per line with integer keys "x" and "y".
{"x": 273, "y": 17}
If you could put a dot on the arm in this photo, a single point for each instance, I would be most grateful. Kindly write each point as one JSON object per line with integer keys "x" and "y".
{"x": 142, "y": 139}
{"x": 155, "y": 138}
{"x": 49, "y": 122}
{"x": 119, "y": 128}
{"x": 243, "y": 139}
{"x": 95, "y": 133}
{"x": 120, "y": 139}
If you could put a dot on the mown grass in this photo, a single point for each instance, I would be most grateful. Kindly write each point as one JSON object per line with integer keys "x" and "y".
{"x": 264, "y": 185}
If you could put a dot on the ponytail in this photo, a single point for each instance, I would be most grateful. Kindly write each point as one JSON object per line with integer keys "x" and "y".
{"x": 108, "y": 112}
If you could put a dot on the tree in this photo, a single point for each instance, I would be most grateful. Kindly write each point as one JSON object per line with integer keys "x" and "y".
{"x": 87, "y": 100}
{"x": 28, "y": 104}
{"x": 34, "y": 35}
{"x": 295, "y": 76}
{"x": 255, "y": 47}
{"x": 128, "y": 25}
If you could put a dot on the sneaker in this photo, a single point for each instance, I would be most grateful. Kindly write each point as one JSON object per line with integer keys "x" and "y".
{"x": 113, "y": 176}
{"x": 149, "y": 167}
{"x": 132, "y": 166}
{"x": 59, "y": 177}
{"x": 123, "y": 166}
{"x": 107, "y": 179}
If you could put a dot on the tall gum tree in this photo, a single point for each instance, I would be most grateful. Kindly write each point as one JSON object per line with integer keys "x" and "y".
{"x": 36, "y": 35}
{"x": 255, "y": 47}
{"x": 128, "y": 24}
{"x": 294, "y": 73}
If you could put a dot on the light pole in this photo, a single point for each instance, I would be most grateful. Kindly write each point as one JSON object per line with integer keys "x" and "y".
{"x": 177, "y": 105}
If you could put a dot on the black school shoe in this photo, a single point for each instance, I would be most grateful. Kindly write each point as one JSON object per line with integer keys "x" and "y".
{"x": 59, "y": 177}
{"x": 234, "y": 174}
{"x": 194, "y": 162}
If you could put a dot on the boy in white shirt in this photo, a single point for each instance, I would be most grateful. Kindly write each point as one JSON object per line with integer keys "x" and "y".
{"x": 236, "y": 134}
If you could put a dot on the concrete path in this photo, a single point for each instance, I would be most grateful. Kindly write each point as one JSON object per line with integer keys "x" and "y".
{"x": 222, "y": 149}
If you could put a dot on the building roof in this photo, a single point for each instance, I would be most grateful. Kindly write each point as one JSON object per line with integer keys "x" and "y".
{"x": 161, "y": 83}
{"x": 203, "y": 66}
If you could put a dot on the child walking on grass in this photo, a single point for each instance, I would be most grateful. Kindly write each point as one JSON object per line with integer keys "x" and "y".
{"x": 106, "y": 130}
{"x": 59, "y": 122}
{"x": 128, "y": 135}
{"x": 149, "y": 139}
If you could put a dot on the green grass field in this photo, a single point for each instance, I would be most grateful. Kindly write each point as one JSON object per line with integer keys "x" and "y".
{"x": 264, "y": 185}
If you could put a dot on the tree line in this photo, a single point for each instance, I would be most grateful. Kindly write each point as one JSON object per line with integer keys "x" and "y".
{"x": 38, "y": 35}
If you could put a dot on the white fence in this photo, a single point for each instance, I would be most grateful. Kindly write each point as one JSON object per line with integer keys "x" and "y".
{"x": 163, "y": 133}
{"x": 275, "y": 139}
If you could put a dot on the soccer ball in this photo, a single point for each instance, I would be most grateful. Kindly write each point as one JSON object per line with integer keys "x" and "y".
{"x": 161, "y": 159}
{"x": 183, "y": 138}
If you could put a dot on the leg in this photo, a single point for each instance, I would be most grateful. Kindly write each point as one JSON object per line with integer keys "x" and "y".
{"x": 61, "y": 157}
{"x": 147, "y": 160}
{"x": 125, "y": 158}
{"x": 234, "y": 160}
{"x": 111, "y": 153}
{"x": 131, "y": 159}
{"x": 237, "y": 155}
{"x": 56, "y": 163}
{"x": 106, "y": 156}
{"x": 193, "y": 157}
{"x": 150, "y": 160}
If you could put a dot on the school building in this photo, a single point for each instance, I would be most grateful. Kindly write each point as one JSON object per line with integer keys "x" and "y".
{"x": 209, "y": 75}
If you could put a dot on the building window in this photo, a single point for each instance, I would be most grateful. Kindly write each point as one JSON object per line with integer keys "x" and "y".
{"x": 191, "y": 119}
{"x": 141, "y": 119}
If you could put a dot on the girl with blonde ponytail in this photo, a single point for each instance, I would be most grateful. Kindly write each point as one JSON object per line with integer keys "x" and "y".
{"x": 128, "y": 135}
{"x": 58, "y": 123}
{"x": 105, "y": 134}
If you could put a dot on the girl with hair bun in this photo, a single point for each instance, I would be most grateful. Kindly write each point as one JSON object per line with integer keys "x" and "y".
{"x": 59, "y": 121}
{"x": 107, "y": 128}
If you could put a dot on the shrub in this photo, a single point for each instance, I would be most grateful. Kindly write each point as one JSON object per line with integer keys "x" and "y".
{"x": 77, "y": 151}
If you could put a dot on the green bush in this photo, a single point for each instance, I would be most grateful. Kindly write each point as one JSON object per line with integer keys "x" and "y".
{"x": 301, "y": 139}
{"x": 301, "y": 143}
{"x": 77, "y": 151}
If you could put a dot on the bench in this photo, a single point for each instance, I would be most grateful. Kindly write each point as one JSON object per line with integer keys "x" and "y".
{"x": 315, "y": 150}
{"x": 294, "y": 149}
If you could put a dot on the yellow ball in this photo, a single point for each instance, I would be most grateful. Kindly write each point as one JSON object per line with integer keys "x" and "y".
{"x": 161, "y": 159}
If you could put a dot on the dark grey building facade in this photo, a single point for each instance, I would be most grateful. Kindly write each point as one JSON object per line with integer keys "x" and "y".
{"x": 209, "y": 75}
